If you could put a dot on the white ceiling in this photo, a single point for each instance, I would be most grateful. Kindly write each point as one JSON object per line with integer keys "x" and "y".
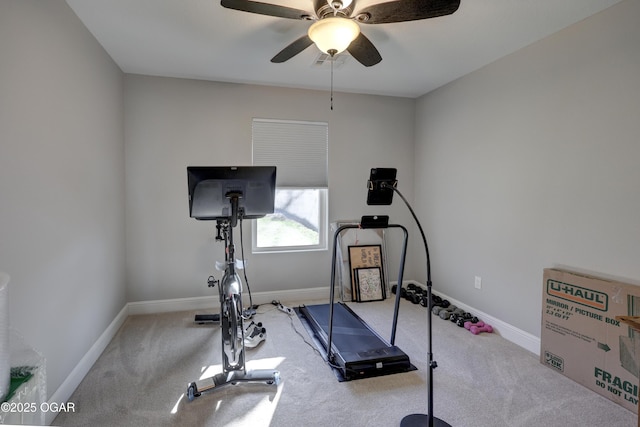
{"x": 200, "y": 39}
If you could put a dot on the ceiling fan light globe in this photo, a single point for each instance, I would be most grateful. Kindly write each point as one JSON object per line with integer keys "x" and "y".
{"x": 333, "y": 34}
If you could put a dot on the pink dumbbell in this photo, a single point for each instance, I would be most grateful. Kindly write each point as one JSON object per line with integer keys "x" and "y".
{"x": 475, "y": 330}
{"x": 468, "y": 325}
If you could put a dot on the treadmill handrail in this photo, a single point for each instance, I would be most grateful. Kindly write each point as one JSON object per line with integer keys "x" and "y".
{"x": 333, "y": 280}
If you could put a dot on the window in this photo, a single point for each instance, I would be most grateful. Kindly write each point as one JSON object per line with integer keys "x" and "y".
{"x": 299, "y": 150}
{"x": 297, "y": 223}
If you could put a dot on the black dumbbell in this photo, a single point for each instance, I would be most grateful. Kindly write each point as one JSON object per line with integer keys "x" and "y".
{"x": 414, "y": 297}
{"x": 424, "y": 301}
{"x": 454, "y": 317}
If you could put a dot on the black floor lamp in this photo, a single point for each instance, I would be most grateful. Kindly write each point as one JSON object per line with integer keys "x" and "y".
{"x": 382, "y": 184}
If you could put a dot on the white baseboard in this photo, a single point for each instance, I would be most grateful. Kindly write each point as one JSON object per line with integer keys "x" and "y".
{"x": 211, "y": 303}
{"x": 509, "y": 332}
{"x": 66, "y": 389}
{"x": 64, "y": 392}
{"x": 292, "y": 296}
{"x": 169, "y": 305}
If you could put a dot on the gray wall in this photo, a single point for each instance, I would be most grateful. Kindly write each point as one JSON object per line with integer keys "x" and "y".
{"x": 174, "y": 123}
{"x": 532, "y": 162}
{"x": 61, "y": 181}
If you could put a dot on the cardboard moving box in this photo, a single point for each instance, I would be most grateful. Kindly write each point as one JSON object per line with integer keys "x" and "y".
{"x": 582, "y": 339}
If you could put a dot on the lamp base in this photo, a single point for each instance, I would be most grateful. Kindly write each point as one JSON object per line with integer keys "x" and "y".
{"x": 421, "y": 420}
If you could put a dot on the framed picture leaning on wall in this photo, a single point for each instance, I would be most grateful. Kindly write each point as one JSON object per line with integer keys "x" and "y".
{"x": 367, "y": 273}
{"x": 369, "y": 284}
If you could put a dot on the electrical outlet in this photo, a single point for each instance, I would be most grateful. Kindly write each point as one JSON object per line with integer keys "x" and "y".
{"x": 478, "y": 282}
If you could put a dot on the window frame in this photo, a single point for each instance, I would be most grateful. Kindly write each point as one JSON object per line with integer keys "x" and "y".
{"x": 323, "y": 227}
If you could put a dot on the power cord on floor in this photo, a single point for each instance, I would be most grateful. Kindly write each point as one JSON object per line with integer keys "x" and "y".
{"x": 282, "y": 308}
{"x": 290, "y": 312}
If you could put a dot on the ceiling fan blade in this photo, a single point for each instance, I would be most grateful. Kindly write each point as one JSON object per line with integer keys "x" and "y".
{"x": 406, "y": 10}
{"x": 364, "y": 51}
{"x": 293, "y": 49}
{"x": 265, "y": 9}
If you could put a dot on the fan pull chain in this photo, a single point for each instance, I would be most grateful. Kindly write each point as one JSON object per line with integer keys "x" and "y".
{"x": 332, "y": 53}
{"x": 331, "y": 83}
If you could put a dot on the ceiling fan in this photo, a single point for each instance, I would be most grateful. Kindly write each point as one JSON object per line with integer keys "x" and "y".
{"x": 336, "y": 25}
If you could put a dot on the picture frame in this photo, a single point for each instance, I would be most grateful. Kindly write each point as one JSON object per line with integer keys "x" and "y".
{"x": 369, "y": 286}
{"x": 364, "y": 257}
{"x": 351, "y": 237}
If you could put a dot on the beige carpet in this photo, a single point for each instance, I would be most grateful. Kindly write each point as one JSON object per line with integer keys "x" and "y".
{"x": 483, "y": 380}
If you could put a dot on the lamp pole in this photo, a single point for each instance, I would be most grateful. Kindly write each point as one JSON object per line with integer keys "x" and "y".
{"x": 428, "y": 419}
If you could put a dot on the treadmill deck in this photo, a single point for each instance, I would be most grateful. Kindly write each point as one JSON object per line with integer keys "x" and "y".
{"x": 358, "y": 351}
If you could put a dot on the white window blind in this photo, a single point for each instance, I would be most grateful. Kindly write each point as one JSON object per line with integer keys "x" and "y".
{"x": 298, "y": 149}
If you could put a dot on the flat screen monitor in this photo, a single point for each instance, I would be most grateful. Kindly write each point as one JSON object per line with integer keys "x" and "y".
{"x": 210, "y": 186}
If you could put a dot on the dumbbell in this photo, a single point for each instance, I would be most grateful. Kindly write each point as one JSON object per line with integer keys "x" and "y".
{"x": 458, "y": 312}
{"x": 471, "y": 323}
{"x": 462, "y": 318}
{"x": 437, "y": 309}
{"x": 436, "y": 299}
{"x": 413, "y": 297}
{"x": 465, "y": 317}
{"x": 445, "y": 313}
{"x": 424, "y": 301}
{"x": 475, "y": 330}
{"x": 403, "y": 291}
{"x": 409, "y": 295}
